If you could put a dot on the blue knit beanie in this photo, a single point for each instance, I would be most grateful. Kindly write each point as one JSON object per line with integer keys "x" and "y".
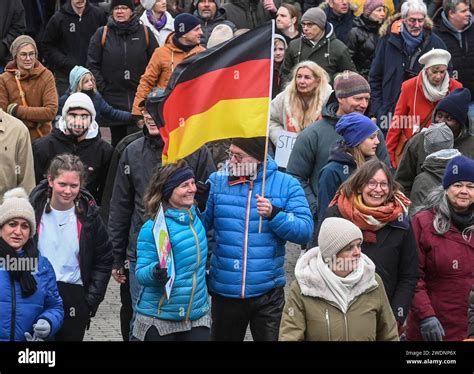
{"x": 355, "y": 128}
{"x": 459, "y": 169}
{"x": 184, "y": 23}
{"x": 77, "y": 72}
{"x": 457, "y": 105}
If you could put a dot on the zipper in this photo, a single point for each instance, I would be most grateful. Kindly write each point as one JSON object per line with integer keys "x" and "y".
{"x": 13, "y": 319}
{"x": 161, "y": 302}
{"x": 328, "y": 324}
{"x": 347, "y": 330}
{"x": 246, "y": 234}
{"x": 191, "y": 299}
{"x": 125, "y": 64}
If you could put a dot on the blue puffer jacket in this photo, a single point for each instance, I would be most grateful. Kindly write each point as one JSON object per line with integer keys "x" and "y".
{"x": 44, "y": 303}
{"x": 245, "y": 263}
{"x": 189, "y": 296}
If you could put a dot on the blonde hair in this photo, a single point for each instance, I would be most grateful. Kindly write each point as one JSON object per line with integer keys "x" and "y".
{"x": 83, "y": 79}
{"x": 306, "y": 113}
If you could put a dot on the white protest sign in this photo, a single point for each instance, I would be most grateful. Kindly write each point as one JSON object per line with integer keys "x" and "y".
{"x": 284, "y": 146}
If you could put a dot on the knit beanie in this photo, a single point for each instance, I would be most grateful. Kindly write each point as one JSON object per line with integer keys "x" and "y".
{"x": 435, "y": 57}
{"x": 254, "y": 147}
{"x": 348, "y": 83}
{"x": 20, "y": 42}
{"x": 336, "y": 234}
{"x": 315, "y": 15}
{"x": 184, "y": 23}
{"x": 75, "y": 76}
{"x": 128, "y": 3}
{"x": 148, "y": 4}
{"x": 355, "y": 128}
{"x": 79, "y": 100}
{"x": 457, "y": 105}
{"x": 281, "y": 38}
{"x": 459, "y": 169}
{"x": 437, "y": 137}
{"x": 220, "y": 34}
{"x": 371, "y": 5}
{"x": 16, "y": 205}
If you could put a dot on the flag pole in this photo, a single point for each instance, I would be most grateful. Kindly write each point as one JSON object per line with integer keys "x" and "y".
{"x": 268, "y": 122}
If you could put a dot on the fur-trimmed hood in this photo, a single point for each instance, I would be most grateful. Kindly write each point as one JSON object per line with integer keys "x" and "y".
{"x": 312, "y": 284}
{"x": 388, "y": 25}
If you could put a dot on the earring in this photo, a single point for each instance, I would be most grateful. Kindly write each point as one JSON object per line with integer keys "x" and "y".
{"x": 292, "y": 28}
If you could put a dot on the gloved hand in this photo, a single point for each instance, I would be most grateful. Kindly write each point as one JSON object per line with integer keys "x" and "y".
{"x": 33, "y": 338}
{"x": 11, "y": 109}
{"x": 431, "y": 330}
{"x": 42, "y": 328}
{"x": 161, "y": 275}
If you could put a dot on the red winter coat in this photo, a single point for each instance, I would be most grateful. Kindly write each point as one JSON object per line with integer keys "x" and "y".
{"x": 411, "y": 104}
{"x": 446, "y": 274}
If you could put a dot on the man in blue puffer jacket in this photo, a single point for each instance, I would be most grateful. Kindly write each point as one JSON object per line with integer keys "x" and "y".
{"x": 247, "y": 272}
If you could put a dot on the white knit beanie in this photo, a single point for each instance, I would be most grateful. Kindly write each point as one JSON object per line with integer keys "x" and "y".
{"x": 16, "y": 205}
{"x": 335, "y": 234}
{"x": 79, "y": 100}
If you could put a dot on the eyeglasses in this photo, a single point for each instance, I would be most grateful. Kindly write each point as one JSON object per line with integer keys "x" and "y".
{"x": 372, "y": 184}
{"x": 239, "y": 157}
{"x": 24, "y": 56}
{"x": 120, "y": 7}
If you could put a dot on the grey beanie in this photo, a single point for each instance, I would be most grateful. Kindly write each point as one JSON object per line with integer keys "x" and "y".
{"x": 16, "y": 205}
{"x": 335, "y": 234}
{"x": 437, "y": 137}
{"x": 315, "y": 15}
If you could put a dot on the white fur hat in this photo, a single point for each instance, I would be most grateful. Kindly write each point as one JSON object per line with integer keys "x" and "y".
{"x": 435, "y": 57}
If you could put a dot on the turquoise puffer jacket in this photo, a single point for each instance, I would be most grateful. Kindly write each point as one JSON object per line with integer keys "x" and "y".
{"x": 189, "y": 296}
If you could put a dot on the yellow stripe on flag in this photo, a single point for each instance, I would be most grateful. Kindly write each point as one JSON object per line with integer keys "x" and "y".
{"x": 243, "y": 118}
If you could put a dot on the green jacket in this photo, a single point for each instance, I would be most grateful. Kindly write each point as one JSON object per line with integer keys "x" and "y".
{"x": 329, "y": 53}
{"x": 311, "y": 312}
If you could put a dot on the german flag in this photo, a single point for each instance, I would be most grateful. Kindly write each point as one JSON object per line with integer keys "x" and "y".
{"x": 221, "y": 93}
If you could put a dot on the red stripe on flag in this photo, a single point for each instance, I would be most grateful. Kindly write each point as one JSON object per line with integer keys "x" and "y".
{"x": 250, "y": 79}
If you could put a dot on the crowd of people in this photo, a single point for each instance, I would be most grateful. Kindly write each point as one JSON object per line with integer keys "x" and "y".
{"x": 378, "y": 189}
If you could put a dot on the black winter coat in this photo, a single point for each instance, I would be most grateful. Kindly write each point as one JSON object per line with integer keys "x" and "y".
{"x": 118, "y": 66}
{"x": 361, "y": 41}
{"x": 66, "y": 39}
{"x": 396, "y": 261}
{"x": 12, "y": 25}
{"x": 342, "y": 24}
{"x": 95, "y": 249}
{"x": 95, "y": 153}
{"x": 462, "y": 53}
{"x": 137, "y": 164}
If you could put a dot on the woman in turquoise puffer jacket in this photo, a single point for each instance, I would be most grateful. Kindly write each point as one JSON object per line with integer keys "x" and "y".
{"x": 185, "y": 315}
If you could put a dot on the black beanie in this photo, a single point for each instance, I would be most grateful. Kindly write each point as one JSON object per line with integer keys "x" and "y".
{"x": 184, "y": 23}
{"x": 457, "y": 105}
{"x": 128, "y": 3}
{"x": 254, "y": 147}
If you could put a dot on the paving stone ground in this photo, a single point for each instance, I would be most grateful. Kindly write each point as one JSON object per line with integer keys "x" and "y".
{"x": 105, "y": 325}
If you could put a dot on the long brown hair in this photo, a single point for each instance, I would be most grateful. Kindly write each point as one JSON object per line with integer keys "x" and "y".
{"x": 154, "y": 192}
{"x": 60, "y": 164}
{"x": 364, "y": 174}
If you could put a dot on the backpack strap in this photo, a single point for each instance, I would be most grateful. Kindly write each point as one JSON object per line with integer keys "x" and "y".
{"x": 104, "y": 36}
{"x": 147, "y": 36}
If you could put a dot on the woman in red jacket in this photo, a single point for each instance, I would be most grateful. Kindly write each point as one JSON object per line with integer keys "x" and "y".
{"x": 444, "y": 230}
{"x": 418, "y": 98}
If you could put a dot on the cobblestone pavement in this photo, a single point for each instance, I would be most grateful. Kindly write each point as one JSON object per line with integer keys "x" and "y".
{"x": 105, "y": 325}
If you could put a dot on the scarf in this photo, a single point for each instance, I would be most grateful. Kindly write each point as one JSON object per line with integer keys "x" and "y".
{"x": 157, "y": 23}
{"x": 370, "y": 219}
{"x": 340, "y": 287}
{"x": 462, "y": 220}
{"x": 411, "y": 42}
{"x": 125, "y": 28}
{"x": 26, "y": 279}
{"x": 434, "y": 93}
{"x": 183, "y": 47}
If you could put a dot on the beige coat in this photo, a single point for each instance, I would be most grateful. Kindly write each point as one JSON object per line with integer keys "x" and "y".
{"x": 16, "y": 156}
{"x": 40, "y": 94}
{"x": 311, "y": 312}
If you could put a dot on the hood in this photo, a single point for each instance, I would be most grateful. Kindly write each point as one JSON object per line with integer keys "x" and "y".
{"x": 75, "y": 75}
{"x": 436, "y": 162}
{"x": 329, "y": 110}
{"x": 67, "y": 9}
{"x": 38, "y": 199}
{"x": 312, "y": 284}
{"x": 92, "y": 132}
{"x": 34, "y": 72}
{"x": 338, "y": 154}
{"x": 391, "y": 25}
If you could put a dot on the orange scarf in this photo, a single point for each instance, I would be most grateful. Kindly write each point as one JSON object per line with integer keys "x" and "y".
{"x": 370, "y": 219}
